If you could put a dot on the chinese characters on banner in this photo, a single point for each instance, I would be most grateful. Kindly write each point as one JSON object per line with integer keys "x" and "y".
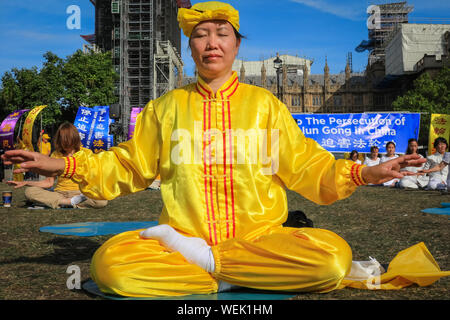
{"x": 93, "y": 126}
{"x": 7, "y": 129}
{"x": 27, "y": 131}
{"x": 439, "y": 127}
{"x": 344, "y": 132}
{"x": 134, "y": 114}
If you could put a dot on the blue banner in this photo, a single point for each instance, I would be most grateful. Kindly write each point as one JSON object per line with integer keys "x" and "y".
{"x": 93, "y": 126}
{"x": 344, "y": 132}
{"x": 83, "y": 122}
{"x": 100, "y": 128}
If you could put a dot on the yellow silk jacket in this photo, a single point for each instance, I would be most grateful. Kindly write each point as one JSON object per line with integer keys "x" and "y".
{"x": 224, "y": 159}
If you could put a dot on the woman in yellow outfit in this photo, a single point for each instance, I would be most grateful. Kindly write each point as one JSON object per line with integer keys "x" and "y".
{"x": 225, "y": 152}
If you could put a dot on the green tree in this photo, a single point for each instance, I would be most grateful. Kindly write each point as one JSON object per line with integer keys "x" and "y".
{"x": 428, "y": 96}
{"x": 20, "y": 87}
{"x": 10, "y": 94}
{"x": 61, "y": 84}
{"x": 89, "y": 81}
{"x": 52, "y": 88}
{"x": 28, "y": 88}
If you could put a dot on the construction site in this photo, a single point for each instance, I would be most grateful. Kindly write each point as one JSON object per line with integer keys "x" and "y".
{"x": 145, "y": 41}
{"x": 384, "y": 21}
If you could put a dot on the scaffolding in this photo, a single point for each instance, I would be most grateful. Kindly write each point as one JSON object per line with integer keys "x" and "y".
{"x": 145, "y": 39}
{"x": 168, "y": 68}
{"x": 391, "y": 16}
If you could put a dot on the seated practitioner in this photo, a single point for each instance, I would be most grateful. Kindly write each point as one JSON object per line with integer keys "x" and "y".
{"x": 372, "y": 159}
{"x": 390, "y": 155}
{"x": 66, "y": 191}
{"x": 437, "y": 177}
{"x": 221, "y": 224}
{"x": 444, "y": 163}
{"x": 354, "y": 156}
{"x": 411, "y": 181}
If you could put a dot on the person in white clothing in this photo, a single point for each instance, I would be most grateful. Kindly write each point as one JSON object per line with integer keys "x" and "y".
{"x": 438, "y": 176}
{"x": 444, "y": 163}
{"x": 411, "y": 181}
{"x": 390, "y": 154}
{"x": 372, "y": 159}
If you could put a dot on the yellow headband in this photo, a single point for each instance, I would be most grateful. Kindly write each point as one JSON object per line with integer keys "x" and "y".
{"x": 204, "y": 11}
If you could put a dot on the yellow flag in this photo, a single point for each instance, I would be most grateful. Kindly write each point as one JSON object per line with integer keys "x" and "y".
{"x": 27, "y": 132}
{"x": 439, "y": 127}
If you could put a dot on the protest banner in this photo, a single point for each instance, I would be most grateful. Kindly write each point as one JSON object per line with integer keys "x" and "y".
{"x": 134, "y": 114}
{"x": 7, "y": 129}
{"x": 27, "y": 131}
{"x": 93, "y": 126}
{"x": 439, "y": 127}
{"x": 344, "y": 132}
{"x": 83, "y": 122}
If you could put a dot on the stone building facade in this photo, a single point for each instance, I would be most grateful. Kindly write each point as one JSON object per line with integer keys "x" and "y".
{"x": 346, "y": 92}
{"x": 327, "y": 93}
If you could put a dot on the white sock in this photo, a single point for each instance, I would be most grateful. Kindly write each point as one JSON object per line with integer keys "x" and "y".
{"x": 77, "y": 199}
{"x": 363, "y": 270}
{"x": 194, "y": 250}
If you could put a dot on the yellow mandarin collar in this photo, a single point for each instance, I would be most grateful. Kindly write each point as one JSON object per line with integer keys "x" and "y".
{"x": 226, "y": 90}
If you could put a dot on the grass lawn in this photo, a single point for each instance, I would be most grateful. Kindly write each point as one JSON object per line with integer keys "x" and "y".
{"x": 375, "y": 221}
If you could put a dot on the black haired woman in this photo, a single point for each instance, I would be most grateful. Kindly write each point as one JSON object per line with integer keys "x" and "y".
{"x": 226, "y": 152}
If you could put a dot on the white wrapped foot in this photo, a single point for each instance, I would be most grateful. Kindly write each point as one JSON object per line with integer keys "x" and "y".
{"x": 194, "y": 250}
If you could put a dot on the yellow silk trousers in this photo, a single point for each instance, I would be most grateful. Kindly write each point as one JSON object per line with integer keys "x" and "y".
{"x": 285, "y": 259}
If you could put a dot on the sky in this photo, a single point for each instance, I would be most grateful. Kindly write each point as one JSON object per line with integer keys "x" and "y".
{"x": 313, "y": 29}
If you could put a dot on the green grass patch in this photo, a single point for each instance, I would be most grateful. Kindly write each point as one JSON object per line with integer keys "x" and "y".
{"x": 375, "y": 221}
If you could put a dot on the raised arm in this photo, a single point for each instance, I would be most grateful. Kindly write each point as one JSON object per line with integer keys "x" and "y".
{"x": 439, "y": 167}
{"x": 130, "y": 167}
{"x": 35, "y": 162}
{"x": 309, "y": 169}
{"x": 391, "y": 169}
{"x": 313, "y": 172}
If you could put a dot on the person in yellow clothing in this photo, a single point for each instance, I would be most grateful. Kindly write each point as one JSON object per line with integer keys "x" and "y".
{"x": 225, "y": 151}
{"x": 66, "y": 191}
{"x": 44, "y": 145}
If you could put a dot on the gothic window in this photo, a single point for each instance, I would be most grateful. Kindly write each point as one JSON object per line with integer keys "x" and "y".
{"x": 358, "y": 99}
{"x": 379, "y": 100}
{"x": 295, "y": 100}
{"x": 317, "y": 100}
{"x": 337, "y": 100}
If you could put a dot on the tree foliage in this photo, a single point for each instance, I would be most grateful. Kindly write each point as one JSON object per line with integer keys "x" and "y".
{"x": 61, "y": 84}
{"x": 428, "y": 96}
{"x": 89, "y": 81}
